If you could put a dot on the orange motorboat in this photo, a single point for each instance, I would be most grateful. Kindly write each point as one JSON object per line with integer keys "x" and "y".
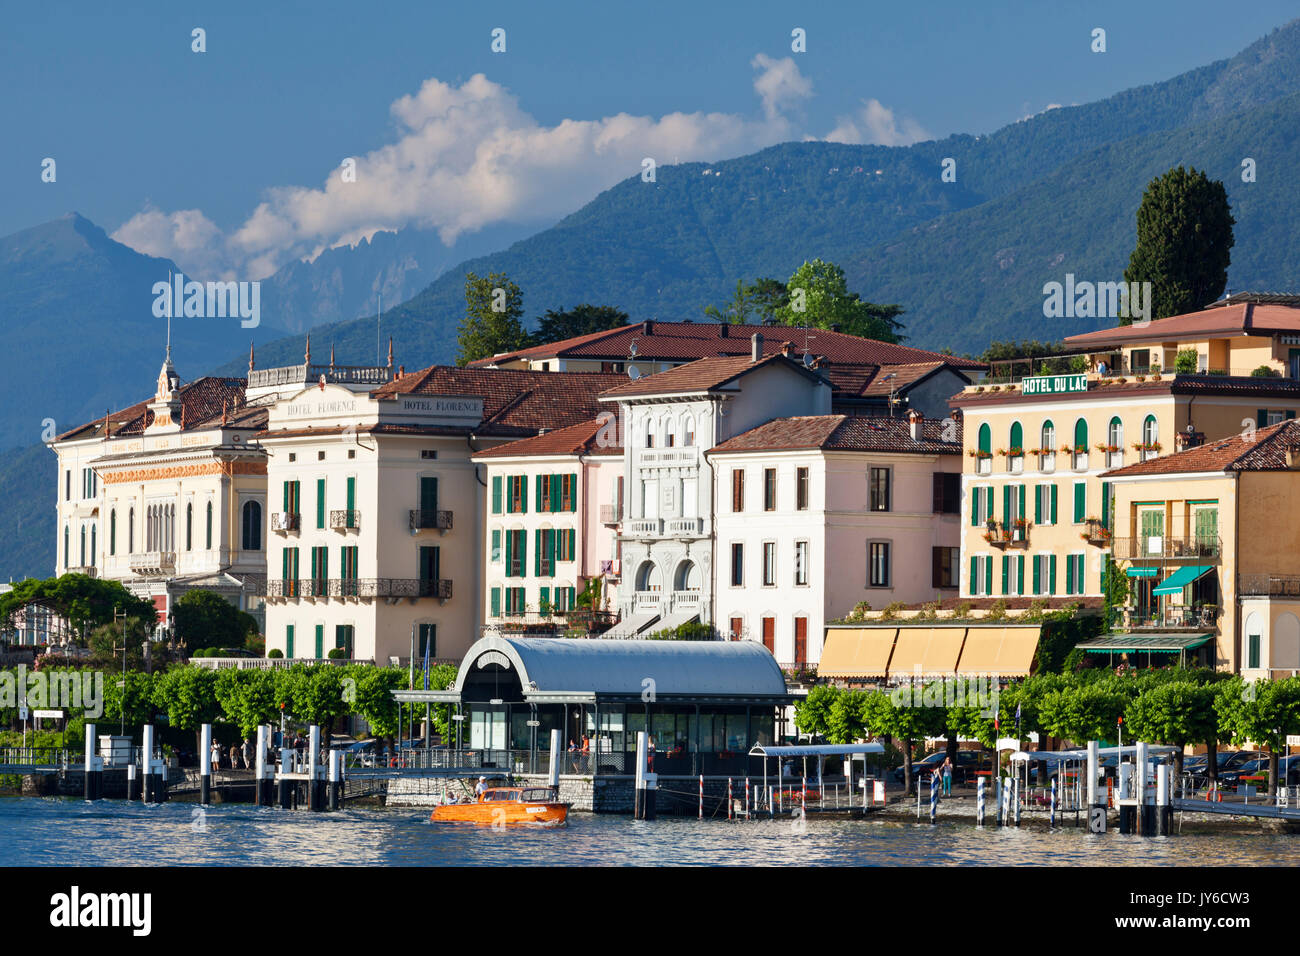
{"x": 506, "y": 806}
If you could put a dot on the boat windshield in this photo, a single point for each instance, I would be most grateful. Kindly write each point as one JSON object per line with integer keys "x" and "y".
{"x": 537, "y": 795}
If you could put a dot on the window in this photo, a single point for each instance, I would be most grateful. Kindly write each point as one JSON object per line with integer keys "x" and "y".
{"x": 288, "y": 640}
{"x": 943, "y": 567}
{"x": 320, "y": 567}
{"x": 112, "y": 531}
{"x": 1074, "y": 573}
{"x": 737, "y": 489}
{"x": 737, "y": 565}
{"x": 879, "y": 489}
{"x": 496, "y": 546}
{"x": 544, "y": 552}
{"x": 801, "y": 489}
{"x": 320, "y": 502}
{"x": 1081, "y": 437}
{"x": 130, "y": 532}
{"x": 352, "y": 453}
{"x": 769, "y": 489}
{"x": 737, "y": 628}
{"x": 566, "y": 541}
{"x": 344, "y": 635}
{"x": 428, "y": 641}
{"x": 986, "y": 439}
{"x": 878, "y": 569}
{"x": 348, "y": 569}
{"x": 1150, "y": 437}
{"x": 67, "y": 485}
{"x": 1115, "y": 433}
{"x": 688, "y": 430}
{"x": 568, "y": 492}
{"x": 289, "y": 571}
{"x": 517, "y": 494}
{"x": 209, "y": 527}
{"x": 252, "y": 526}
{"x": 1047, "y": 439}
{"x": 1017, "y": 439}
{"x": 293, "y": 456}
{"x": 515, "y": 554}
{"x": 1080, "y": 502}
{"x": 429, "y": 568}
{"x": 1013, "y": 574}
{"x": 1045, "y": 504}
{"x": 649, "y": 433}
{"x": 769, "y": 634}
{"x": 769, "y": 564}
{"x": 428, "y": 454}
{"x": 496, "y": 494}
{"x": 981, "y": 505}
{"x": 291, "y": 494}
{"x": 1252, "y": 659}
{"x": 800, "y": 563}
{"x": 1140, "y": 360}
{"x": 946, "y": 497}
{"x": 1044, "y": 574}
{"x": 494, "y": 598}
{"x": 515, "y": 604}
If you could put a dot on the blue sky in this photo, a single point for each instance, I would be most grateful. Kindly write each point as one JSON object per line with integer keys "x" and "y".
{"x": 175, "y": 151}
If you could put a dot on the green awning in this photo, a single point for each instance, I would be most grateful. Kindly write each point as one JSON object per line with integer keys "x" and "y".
{"x": 1175, "y": 583}
{"x": 1151, "y": 643}
{"x": 1142, "y": 572}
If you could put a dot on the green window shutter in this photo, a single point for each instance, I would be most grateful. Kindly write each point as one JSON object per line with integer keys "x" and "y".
{"x": 1006, "y": 504}
{"x": 286, "y": 496}
{"x": 522, "y": 544}
{"x": 352, "y": 494}
{"x": 537, "y": 505}
{"x": 496, "y": 602}
{"x": 1261, "y": 416}
{"x": 1020, "y": 574}
{"x": 320, "y": 640}
{"x": 573, "y": 491}
{"x": 313, "y": 562}
{"x": 1069, "y": 574}
{"x": 1006, "y": 564}
{"x": 1021, "y": 504}
{"x": 1105, "y": 504}
{"x": 1038, "y": 575}
{"x": 974, "y": 507}
{"x": 284, "y": 564}
{"x": 496, "y": 545}
{"x": 1080, "y": 501}
{"x": 1053, "y": 508}
{"x": 988, "y": 574}
{"x": 544, "y": 594}
{"x": 523, "y": 493}
{"x": 971, "y": 588}
{"x": 320, "y": 502}
{"x": 496, "y": 494}
{"x": 1290, "y": 414}
{"x": 288, "y": 641}
{"x": 1038, "y": 504}
{"x": 537, "y": 553}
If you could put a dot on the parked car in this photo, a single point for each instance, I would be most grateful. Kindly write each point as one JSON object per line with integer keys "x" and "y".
{"x": 964, "y": 767}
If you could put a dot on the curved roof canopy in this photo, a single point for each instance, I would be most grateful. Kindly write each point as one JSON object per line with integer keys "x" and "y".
{"x": 556, "y": 668}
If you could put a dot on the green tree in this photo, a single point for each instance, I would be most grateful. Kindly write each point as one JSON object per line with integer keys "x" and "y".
{"x": 319, "y": 697}
{"x": 138, "y": 694}
{"x": 189, "y": 696}
{"x": 206, "y": 619}
{"x": 1184, "y": 242}
{"x": 846, "y": 721}
{"x": 819, "y": 297}
{"x": 812, "y": 714}
{"x": 908, "y": 719}
{"x": 83, "y": 600}
{"x": 1177, "y": 713}
{"x": 247, "y": 698}
{"x": 758, "y": 302}
{"x": 1262, "y": 712}
{"x": 1083, "y": 713}
{"x": 559, "y": 324}
{"x": 374, "y": 695}
{"x": 493, "y": 322}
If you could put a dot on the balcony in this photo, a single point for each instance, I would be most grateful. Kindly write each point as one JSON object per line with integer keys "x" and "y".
{"x": 684, "y": 527}
{"x": 1094, "y": 532}
{"x": 610, "y": 514}
{"x": 644, "y": 528}
{"x": 345, "y": 520}
{"x": 1177, "y": 617}
{"x": 1268, "y": 585}
{"x": 359, "y": 588}
{"x": 439, "y": 588}
{"x": 1172, "y": 547}
{"x": 1047, "y": 463}
{"x": 612, "y": 568}
{"x": 283, "y": 521}
{"x": 313, "y": 587}
{"x": 89, "y": 571}
{"x": 422, "y": 519}
{"x": 648, "y": 602}
{"x": 153, "y": 563}
{"x": 1014, "y": 535}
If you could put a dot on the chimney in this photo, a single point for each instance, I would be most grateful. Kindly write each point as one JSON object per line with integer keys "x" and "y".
{"x": 648, "y": 327}
{"x": 787, "y": 349}
{"x": 1293, "y": 457}
{"x": 914, "y": 420}
{"x": 722, "y": 332}
{"x": 756, "y": 351}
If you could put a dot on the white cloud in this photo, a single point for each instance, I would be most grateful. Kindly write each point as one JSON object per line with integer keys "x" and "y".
{"x": 467, "y": 156}
{"x": 876, "y": 124}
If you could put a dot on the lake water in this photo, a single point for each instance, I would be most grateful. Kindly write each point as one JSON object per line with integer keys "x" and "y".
{"x": 54, "y": 832}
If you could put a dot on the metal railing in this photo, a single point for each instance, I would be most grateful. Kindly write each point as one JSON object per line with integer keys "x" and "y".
{"x": 285, "y": 520}
{"x": 1166, "y": 546}
{"x": 1196, "y": 615}
{"x": 1271, "y": 585}
{"x": 440, "y": 588}
{"x": 610, "y": 514}
{"x": 642, "y": 527}
{"x": 267, "y": 663}
{"x": 345, "y": 520}
{"x": 308, "y": 374}
{"x": 427, "y": 518}
{"x": 35, "y": 757}
{"x": 153, "y": 562}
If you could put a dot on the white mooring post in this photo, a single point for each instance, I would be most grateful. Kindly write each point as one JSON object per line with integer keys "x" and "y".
{"x": 146, "y": 757}
{"x": 644, "y": 802}
{"x": 336, "y": 778}
{"x": 313, "y": 767}
{"x": 205, "y": 764}
{"x": 262, "y": 770}
{"x": 94, "y": 767}
{"x": 286, "y": 768}
{"x": 553, "y": 777}
{"x": 1141, "y": 782}
{"x": 1094, "y": 759}
{"x": 1162, "y": 799}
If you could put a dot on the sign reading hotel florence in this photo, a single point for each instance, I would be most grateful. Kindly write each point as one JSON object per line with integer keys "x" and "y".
{"x": 464, "y": 410}
{"x": 1053, "y": 384}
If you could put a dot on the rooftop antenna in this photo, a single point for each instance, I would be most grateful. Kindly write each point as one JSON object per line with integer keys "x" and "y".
{"x": 377, "y": 315}
{"x": 169, "y": 315}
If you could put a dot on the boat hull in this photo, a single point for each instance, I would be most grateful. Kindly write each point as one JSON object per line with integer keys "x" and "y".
{"x": 502, "y": 814}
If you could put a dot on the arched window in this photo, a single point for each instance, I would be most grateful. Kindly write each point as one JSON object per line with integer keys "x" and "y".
{"x": 67, "y": 546}
{"x": 83, "y": 546}
{"x": 93, "y": 559}
{"x": 112, "y": 531}
{"x": 1017, "y": 437}
{"x": 670, "y": 439}
{"x": 130, "y": 531}
{"x": 1150, "y": 430}
{"x": 189, "y": 527}
{"x": 209, "y": 527}
{"x": 687, "y": 577}
{"x": 649, "y": 433}
{"x": 1081, "y": 435}
{"x": 647, "y": 577}
{"x": 252, "y": 526}
{"x": 1115, "y": 433}
{"x": 1048, "y": 437}
{"x": 986, "y": 438}
{"x": 688, "y": 431}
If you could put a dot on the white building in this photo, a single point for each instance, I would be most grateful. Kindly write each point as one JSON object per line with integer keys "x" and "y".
{"x": 668, "y": 420}
{"x": 816, "y": 514}
{"x": 376, "y": 541}
{"x": 552, "y": 517}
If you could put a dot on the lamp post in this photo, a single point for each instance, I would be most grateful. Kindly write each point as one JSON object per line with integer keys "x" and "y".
{"x": 122, "y": 704}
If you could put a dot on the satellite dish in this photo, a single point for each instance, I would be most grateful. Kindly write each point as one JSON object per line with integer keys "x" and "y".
{"x": 633, "y": 372}
{"x": 807, "y": 360}
{"x": 632, "y": 348}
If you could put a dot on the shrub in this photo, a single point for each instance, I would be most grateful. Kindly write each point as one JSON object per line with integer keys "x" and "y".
{"x": 336, "y": 653}
{"x": 1266, "y": 371}
{"x": 1185, "y": 362}
{"x": 275, "y": 653}
{"x": 891, "y": 610}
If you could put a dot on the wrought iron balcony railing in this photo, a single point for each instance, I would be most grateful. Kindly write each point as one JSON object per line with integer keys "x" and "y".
{"x": 345, "y": 520}
{"x": 1154, "y": 547}
{"x": 424, "y": 518}
{"x": 285, "y": 521}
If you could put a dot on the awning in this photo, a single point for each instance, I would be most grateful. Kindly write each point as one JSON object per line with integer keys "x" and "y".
{"x": 856, "y": 652}
{"x": 945, "y": 647}
{"x": 630, "y": 626}
{"x": 1152, "y": 643}
{"x": 673, "y": 621}
{"x": 1142, "y": 572}
{"x": 909, "y": 652}
{"x": 1016, "y": 656}
{"x": 815, "y": 750}
{"x": 1175, "y": 583}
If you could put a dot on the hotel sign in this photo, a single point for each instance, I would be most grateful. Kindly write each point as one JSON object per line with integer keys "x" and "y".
{"x": 454, "y": 410}
{"x": 1053, "y": 384}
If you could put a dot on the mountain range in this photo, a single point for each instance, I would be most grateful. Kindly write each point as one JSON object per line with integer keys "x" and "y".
{"x": 1052, "y": 194}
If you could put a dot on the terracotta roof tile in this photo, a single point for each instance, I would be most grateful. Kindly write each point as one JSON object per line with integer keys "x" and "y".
{"x": 1266, "y": 452}
{"x": 1239, "y": 319}
{"x": 201, "y": 400}
{"x": 580, "y": 439}
{"x": 843, "y": 433}
{"x": 700, "y": 376}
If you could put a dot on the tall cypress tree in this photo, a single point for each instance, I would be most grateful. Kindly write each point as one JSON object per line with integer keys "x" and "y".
{"x": 1184, "y": 234}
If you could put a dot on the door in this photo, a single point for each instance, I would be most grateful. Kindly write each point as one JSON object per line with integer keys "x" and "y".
{"x": 1207, "y": 531}
{"x": 769, "y": 634}
{"x": 1153, "y": 533}
{"x": 801, "y": 640}
{"x": 428, "y": 494}
{"x": 429, "y": 562}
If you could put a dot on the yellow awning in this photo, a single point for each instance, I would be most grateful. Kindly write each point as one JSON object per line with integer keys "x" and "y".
{"x": 909, "y": 652}
{"x": 945, "y": 647}
{"x": 1017, "y": 653}
{"x": 856, "y": 652}
{"x": 983, "y": 647}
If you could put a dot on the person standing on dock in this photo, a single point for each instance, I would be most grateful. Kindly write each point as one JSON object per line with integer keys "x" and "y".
{"x": 248, "y": 753}
{"x": 216, "y": 755}
{"x": 947, "y": 776}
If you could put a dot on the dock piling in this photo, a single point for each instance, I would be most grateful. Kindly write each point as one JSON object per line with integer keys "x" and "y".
{"x": 205, "y": 765}
{"x": 336, "y": 778}
{"x": 553, "y": 778}
{"x": 282, "y": 782}
{"x": 130, "y": 782}
{"x": 644, "y": 806}
{"x": 314, "y": 782}
{"x": 263, "y": 771}
{"x": 150, "y": 787}
{"x": 94, "y": 767}
{"x": 979, "y": 802}
{"x": 934, "y": 801}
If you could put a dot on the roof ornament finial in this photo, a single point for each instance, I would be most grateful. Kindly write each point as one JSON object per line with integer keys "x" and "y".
{"x": 307, "y": 357}
{"x": 390, "y": 351}
{"x": 331, "y": 355}
{"x": 250, "y": 355}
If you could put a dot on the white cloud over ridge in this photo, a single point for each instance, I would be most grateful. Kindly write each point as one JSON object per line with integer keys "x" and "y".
{"x": 468, "y": 156}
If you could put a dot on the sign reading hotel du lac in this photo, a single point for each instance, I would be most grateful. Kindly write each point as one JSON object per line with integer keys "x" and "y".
{"x": 1053, "y": 384}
